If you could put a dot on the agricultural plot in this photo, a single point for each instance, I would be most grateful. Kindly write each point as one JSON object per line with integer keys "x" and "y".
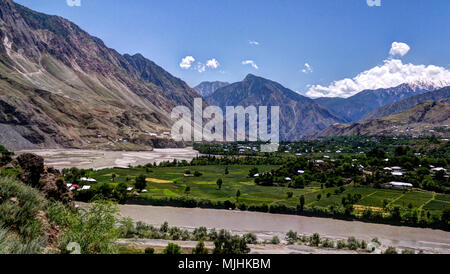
{"x": 416, "y": 199}
{"x": 172, "y": 182}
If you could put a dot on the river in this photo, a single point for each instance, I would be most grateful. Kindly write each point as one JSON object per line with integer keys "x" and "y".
{"x": 268, "y": 225}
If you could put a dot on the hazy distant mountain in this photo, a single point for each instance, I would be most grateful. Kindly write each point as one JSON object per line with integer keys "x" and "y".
{"x": 61, "y": 87}
{"x": 300, "y": 116}
{"x": 205, "y": 89}
{"x": 355, "y": 107}
{"x": 427, "y": 118}
{"x": 407, "y": 103}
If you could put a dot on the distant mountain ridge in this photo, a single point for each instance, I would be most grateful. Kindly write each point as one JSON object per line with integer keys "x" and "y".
{"x": 356, "y": 107}
{"x": 61, "y": 87}
{"x": 300, "y": 116}
{"x": 425, "y": 119}
{"x": 206, "y": 89}
{"x": 408, "y": 103}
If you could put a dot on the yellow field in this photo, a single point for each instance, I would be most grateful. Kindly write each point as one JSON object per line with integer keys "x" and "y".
{"x": 158, "y": 181}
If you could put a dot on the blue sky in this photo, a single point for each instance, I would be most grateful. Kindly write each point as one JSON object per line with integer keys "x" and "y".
{"x": 337, "y": 38}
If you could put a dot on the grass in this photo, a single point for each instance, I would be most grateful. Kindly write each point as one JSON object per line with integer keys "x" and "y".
{"x": 170, "y": 182}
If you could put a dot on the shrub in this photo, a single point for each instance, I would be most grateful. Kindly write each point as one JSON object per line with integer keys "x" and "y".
{"x": 172, "y": 249}
{"x": 250, "y": 238}
{"x": 391, "y": 250}
{"x": 149, "y": 250}
{"x": 275, "y": 240}
{"x": 200, "y": 249}
{"x": 291, "y": 237}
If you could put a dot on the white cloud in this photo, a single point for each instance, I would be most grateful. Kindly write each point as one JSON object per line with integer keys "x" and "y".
{"x": 250, "y": 62}
{"x": 201, "y": 67}
{"x": 307, "y": 69}
{"x": 399, "y": 48}
{"x": 392, "y": 73}
{"x": 186, "y": 62}
{"x": 213, "y": 63}
{"x": 253, "y": 43}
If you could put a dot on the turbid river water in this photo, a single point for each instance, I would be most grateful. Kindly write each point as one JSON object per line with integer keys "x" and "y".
{"x": 268, "y": 225}
{"x": 98, "y": 159}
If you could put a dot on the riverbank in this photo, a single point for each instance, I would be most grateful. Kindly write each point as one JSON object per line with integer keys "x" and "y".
{"x": 101, "y": 159}
{"x": 265, "y": 226}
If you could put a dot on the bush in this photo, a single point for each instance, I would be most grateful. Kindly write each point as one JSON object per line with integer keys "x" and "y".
{"x": 275, "y": 240}
{"x": 314, "y": 240}
{"x": 197, "y": 174}
{"x": 391, "y": 250}
{"x": 149, "y": 250}
{"x": 291, "y": 237}
{"x": 172, "y": 249}
{"x": 341, "y": 244}
{"x": 200, "y": 249}
{"x": 327, "y": 243}
{"x": 250, "y": 238}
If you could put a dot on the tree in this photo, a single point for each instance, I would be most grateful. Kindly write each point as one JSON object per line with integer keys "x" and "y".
{"x": 219, "y": 183}
{"x": 238, "y": 194}
{"x": 149, "y": 250}
{"x": 113, "y": 177}
{"x": 200, "y": 249}
{"x": 121, "y": 193}
{"x": 253, "y": 171}
{"x": 290, "y": 194}
{"x": 227, "y": 171}
{"x": 172, "y": 249}
{"x": 105, "y": 190}
{"x": 197, "y": 173}
{"x": 140, "y": 182}
{"x": 187, "y": 190}
{"x": 302, "y": 202}
{"x": 250, "y": 238}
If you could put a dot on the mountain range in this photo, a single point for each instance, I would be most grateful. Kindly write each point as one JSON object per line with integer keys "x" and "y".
{"x": 355, "y": 107}
{"x": 425, "y": 119}
{"x": 206, "y": 89}
{"x": 61, "y": 87}
{"x": 299, "y": 115}
{"x": 408, "y": 103}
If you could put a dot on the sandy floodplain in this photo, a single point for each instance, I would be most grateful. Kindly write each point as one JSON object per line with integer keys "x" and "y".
{"x": 98, "y": 159}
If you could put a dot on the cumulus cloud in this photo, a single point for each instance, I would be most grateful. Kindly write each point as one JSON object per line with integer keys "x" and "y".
{"x": 200, "y": 67}
{"x": 400, "y": 49}
{"x": 186, "y": 62}
{"x": 253, "y": 43}
{"x": 392, "y": 73}
{"x": 250, "y": 62}
{"x": 307, "y": 69}
{"x": 213, "y": 63}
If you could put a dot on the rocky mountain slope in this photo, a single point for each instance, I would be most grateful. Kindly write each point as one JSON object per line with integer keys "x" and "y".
{"x": 206, "y": 89}
{"x": 355, "y": 107}
{"x": 61, "y": 87}
{"x": 425, "y": 119}
{"x": 299, "y": 115}
{"x": 407, "y": 103}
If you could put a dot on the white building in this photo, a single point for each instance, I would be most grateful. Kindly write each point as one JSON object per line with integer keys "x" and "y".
{"x": 400, "y": 185}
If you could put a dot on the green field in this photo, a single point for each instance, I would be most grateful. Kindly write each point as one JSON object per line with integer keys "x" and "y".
{"x": 171, "y": 182}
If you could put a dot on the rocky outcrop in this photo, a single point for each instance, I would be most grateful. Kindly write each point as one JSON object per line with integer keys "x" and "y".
{"x": 47, "y": 179}
{"x": 32, "y": 167}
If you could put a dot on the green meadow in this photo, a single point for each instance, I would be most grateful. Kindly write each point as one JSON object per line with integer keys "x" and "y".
{"x": 171, "y": 182}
